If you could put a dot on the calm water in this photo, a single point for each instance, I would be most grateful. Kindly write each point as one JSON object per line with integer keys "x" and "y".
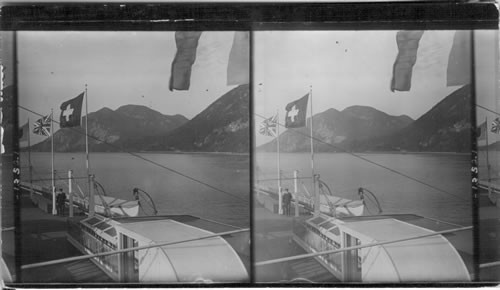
{"x": 119, "y": 173}
{"x": 493, "y": 159}
{"x": 344, "y": 173}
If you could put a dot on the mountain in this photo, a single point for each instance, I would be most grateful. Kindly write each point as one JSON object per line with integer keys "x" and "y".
{"x": 221, "y": 127}
{"x": 339, "y": 129}
{"x": 444, "y": 128}
{"x": 495, "y": 146}
{"x": 156, "y": 121}
{"x": 117, "y": 127}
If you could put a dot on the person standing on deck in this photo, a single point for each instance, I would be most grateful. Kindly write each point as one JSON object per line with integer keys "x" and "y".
{"x": 287, "y": 200}
{"x": 60, "y": 202}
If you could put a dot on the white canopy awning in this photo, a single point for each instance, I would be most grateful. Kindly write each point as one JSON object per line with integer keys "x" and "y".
{"x": 210, "y": 259}
{"x": 424, "y": 259}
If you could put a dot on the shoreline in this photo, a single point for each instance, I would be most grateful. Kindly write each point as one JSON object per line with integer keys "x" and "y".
{"x": 375, "y": 152}
{"x": 145, "y": 152}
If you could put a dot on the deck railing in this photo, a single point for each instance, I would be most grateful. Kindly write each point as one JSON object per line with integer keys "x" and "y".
{"x": 92, "y": 243}
{"x": 115, "y": 252}
{"x": 336, "y": 251}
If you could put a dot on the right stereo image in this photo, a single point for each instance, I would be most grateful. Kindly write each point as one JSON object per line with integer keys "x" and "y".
{"x": 375, "y": 156}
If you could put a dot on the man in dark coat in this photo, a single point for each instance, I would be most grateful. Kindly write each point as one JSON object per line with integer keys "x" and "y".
{"x": 287, "y": 200}
{"x": 60, "y": 202}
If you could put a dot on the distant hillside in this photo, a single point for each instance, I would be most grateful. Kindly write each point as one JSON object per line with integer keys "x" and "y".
{"x": 495, "y": 146}
{"x": 444, "y": 128}
{"x": 340, "y": 128}
{"x": 221, "y": 127}
{"x": 117, "y": 127}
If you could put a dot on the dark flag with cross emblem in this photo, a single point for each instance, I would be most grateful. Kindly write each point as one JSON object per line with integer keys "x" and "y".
{"x": 296, "y": 112}
{"x": 71, "y": 112}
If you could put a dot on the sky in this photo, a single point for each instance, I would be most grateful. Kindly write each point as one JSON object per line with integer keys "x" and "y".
{"x": 487, "y": 81}
{"x": 345, "y": 68}
{"x": 119, "y": 68}
{"x": 342, "y": 68}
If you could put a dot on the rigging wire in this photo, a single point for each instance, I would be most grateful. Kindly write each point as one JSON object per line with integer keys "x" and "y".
{"x": 148, "y": 160}
{"x": 489, "y": 110}
{"x": 57, "y": 178}
{"x": 369, "y": 161}
{"x": 276, "y": 179}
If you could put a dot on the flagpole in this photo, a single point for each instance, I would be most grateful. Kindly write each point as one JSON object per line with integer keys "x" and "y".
{"x": 52, "y": 155}
{"x": 315, "y": 178}
{"x": 280, "y": 201}
{"x": 29, "y": 152}
{"x": 87, "y": 135}
{"x": 312, "y": 147}
{"x": 487, "y": 153}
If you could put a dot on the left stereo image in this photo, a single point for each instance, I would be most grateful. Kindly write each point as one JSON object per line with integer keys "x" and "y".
{"x": 132, "y": 150}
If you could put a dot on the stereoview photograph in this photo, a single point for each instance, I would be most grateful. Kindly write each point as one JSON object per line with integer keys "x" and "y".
{"x": 134, "y": 156}
{"x": 363, "y": 156}
{"x": 488, "y": 161}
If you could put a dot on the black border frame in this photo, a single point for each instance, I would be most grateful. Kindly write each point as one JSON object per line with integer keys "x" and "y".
{"x": 245, "y": 16}
{"x": 428, "y": 15}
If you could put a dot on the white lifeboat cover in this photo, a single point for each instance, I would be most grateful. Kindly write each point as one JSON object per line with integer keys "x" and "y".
{"x": 206, "y": 260}
{"x": 425, "y": 259}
